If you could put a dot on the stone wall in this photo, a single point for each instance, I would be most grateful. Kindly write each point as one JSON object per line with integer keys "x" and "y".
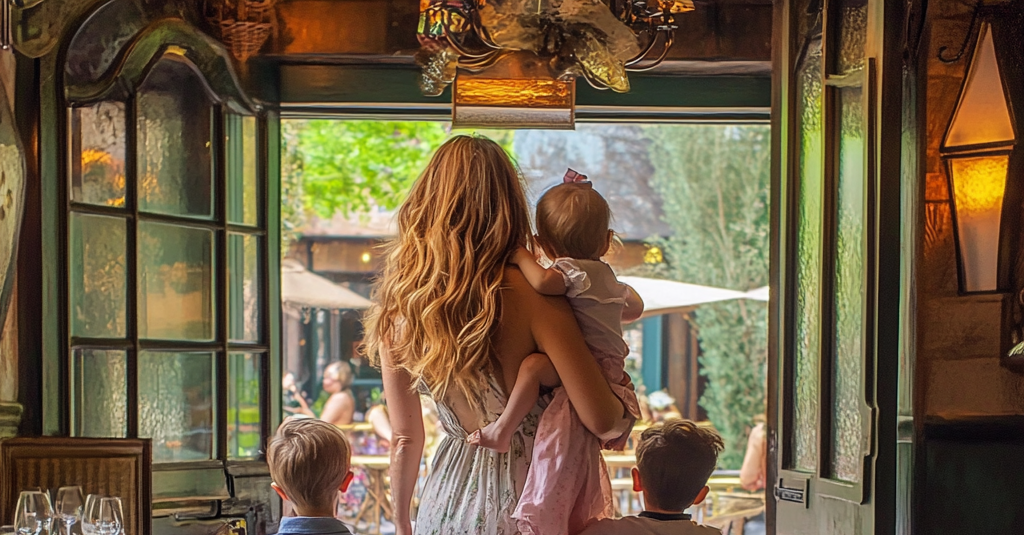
{"x": 959, "y": 337}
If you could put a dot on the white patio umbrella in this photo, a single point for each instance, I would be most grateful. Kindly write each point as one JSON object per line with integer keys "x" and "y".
{"x": 758, "y": 294}
{"x": 303, "y": 289}
{"x": 665, "y": 296}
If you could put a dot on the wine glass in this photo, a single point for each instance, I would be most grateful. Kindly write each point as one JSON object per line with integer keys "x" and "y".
{"x": 90, "y": 514}
{"x": 34, "y": 513}
{"x": 69, "y": 506}
{"x": 110, "y": 517}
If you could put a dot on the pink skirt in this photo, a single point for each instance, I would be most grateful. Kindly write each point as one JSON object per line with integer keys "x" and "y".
{"x": 567, "y": 486}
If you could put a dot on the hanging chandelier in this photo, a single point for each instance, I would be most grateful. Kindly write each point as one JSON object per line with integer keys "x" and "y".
{"x": 598, "y": 41}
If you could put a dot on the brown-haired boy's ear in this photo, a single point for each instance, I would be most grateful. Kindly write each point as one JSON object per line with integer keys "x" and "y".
{"x": 701, "y": 495}
{"x": 279, "y": 491}
{"x": 346, "y": 482}
{"x": 638, "y": 486}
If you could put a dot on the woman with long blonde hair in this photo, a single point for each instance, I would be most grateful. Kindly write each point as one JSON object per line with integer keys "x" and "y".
{"x": 454, "y": 319}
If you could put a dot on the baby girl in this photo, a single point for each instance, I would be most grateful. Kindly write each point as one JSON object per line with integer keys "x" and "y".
{"x": 567, "y": 485}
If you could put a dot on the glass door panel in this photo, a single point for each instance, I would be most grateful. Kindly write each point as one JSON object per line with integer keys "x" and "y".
{"x": 807, "y": 340}
{"x": 850, "y": 289}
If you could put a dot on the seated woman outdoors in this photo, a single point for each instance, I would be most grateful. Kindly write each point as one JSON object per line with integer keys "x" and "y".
{"x": 340, "y": 407}
{"x": 454, "y": 319}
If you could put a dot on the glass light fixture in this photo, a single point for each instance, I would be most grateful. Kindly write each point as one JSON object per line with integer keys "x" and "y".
{"x": 517, "y": 91}
{"x": 977, "y": 149}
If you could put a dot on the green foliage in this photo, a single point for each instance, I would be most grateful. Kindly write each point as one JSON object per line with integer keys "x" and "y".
{"x": 351, "y": 167}
{"x": 354, "y": 166}
{"x": 714, "y": 181}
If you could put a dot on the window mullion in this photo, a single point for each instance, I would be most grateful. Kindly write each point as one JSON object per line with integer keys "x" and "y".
{"x": 132, "y": 267}
{"x": 220, "y": 155}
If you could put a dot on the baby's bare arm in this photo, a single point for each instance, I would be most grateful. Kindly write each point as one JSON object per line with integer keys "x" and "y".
{"x": 545, "y": 281}
{"x": 634, "y": 307}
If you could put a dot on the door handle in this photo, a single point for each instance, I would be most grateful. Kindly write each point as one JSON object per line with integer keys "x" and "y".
{"x": 793, "y": 490}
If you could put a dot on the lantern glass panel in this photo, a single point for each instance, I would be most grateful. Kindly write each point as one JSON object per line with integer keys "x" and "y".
{"x": 979, "y": 184}
{"x": 983, "y": 116}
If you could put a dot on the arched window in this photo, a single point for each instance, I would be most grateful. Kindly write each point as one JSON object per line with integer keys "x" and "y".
{"x": 169, "y": 302}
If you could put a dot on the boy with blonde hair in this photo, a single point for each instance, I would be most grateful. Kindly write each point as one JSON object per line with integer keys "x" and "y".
{"x": 673, "y": 463}
{"x": 309, "y": 463}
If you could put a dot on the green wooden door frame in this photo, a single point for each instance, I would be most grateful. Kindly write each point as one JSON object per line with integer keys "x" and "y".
{"x": 392, "y": 91}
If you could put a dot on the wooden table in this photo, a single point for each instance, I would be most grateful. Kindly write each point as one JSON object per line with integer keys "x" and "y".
{"x": 376, "y": 501}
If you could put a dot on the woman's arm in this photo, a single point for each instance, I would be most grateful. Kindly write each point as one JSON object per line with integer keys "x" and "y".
{"x": 339, "y": 409}
{"x": 558, "y": 335}
{"x": 634, "y": 306}
{"x": 406, "y": 417}
{"x": 545, "y": 281}
{"x": 378, "y": 418}
{"x": 752, "y": 471}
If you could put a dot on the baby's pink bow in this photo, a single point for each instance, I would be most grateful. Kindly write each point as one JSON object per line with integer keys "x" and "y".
{"x": 574, "y": 177}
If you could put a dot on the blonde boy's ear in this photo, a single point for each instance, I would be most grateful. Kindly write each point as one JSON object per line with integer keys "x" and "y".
{"x": 346, "y": 482}
{"x": 701, "y": 495}
{"x": 279, "y": 491}
{"x": 638, "y": 486}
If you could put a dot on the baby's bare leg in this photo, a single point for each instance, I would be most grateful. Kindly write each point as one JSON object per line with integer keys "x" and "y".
{"x": 536, "y": 370}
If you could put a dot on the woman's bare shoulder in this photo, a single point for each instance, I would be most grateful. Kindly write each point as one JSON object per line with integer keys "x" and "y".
{"x": 524, "y": 302}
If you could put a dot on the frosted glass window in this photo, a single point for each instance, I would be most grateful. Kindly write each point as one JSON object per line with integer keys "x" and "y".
{"x": 810, "y": 103}
{"x": 850, "y": 289}
{"x": 98, "y": 285}
{"x": 97, "y": 144}
{"x": 175, "y": 282}
{"x": 176, "y": 405}
{"x": 174, "y": 138}
{"x": 101, "y": 393}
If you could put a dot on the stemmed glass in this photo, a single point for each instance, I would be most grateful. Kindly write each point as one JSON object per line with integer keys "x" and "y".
{"x": 109, "y": 516}
{"x": 90, "y": 513}
{"x": 69, "y": 506}
{"x": 34, "y": 513}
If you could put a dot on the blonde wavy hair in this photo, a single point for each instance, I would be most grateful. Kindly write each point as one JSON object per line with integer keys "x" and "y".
{"x": 437, "y": 302}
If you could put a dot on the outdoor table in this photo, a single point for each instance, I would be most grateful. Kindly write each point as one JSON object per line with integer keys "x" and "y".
{"x": 376, "y": 501}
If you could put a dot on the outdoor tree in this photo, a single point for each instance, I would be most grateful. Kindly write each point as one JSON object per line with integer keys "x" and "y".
{"x": 714, "y": 181}
{"x": 351, "y": 167}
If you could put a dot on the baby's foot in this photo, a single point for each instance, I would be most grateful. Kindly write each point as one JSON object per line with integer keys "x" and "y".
{"x": 488, "y": 437}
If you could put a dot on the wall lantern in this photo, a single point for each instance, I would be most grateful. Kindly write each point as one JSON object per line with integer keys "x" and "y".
{"x": 977, "y": 149}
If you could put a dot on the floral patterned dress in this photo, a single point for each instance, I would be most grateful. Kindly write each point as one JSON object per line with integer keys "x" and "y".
{"x": 471, "y": 489}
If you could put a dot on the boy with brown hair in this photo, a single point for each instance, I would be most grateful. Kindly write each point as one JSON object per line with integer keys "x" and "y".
{"x": 673, "y": 463}
{"x": 309, "y": 463}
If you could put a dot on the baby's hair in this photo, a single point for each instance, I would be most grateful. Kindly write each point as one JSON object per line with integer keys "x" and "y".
{"x": 309, "y": 459}
{"x": 573, "y": 220}
{"x": 675, "y": 460}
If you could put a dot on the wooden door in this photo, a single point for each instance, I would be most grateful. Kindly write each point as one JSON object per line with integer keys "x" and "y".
{"x": 836, "y": 266}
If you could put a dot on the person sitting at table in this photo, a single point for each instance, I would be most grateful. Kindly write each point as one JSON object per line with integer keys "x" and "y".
{"x": 309, "y": 464}
{"x": 674, "y": 461}
{"x": 340, "y": 407}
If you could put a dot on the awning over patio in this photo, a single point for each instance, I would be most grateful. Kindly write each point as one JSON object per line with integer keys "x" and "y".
{"x": 303, "y": 289}
{"x": 665, "y": 296}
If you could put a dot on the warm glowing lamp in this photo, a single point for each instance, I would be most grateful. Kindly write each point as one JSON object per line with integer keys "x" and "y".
{"x": 977, "y": 150}
{"x": 516, "y": 91}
